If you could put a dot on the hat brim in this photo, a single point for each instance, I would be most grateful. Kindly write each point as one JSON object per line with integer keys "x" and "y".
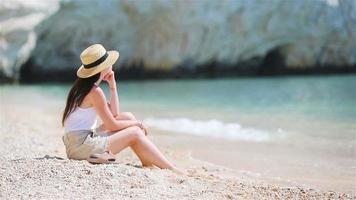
{"x": 110, "y": 60}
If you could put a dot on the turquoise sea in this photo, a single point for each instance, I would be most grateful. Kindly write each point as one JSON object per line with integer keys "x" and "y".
{"x": 254, "y": 109}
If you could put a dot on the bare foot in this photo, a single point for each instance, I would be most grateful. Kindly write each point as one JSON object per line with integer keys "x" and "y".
{"x": 179, "y": 171}
{"x": 149, "y": 167}
{"x": 174, "y": 169}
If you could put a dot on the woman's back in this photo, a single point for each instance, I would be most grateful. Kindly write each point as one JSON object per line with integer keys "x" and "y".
{"x": 81, "y": 119}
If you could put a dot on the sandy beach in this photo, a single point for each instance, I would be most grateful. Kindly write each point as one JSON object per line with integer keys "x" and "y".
{"x": 34, "y": 165}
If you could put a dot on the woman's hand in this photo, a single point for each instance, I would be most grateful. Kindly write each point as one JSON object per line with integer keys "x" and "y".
{"x": 101, "y": 128}
{"x": 110, "y": 79}
{"x": 143, "y": 127}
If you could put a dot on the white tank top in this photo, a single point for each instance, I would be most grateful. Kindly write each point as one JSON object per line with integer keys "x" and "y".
{"x": 81, "y": 119}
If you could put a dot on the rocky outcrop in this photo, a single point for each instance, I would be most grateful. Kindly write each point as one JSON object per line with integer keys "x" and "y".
{"x": 18, "y": 20}
{"x": 170, "y": 35}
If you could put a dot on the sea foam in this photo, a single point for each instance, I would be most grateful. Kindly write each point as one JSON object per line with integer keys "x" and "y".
{"x": 211, "y": 128}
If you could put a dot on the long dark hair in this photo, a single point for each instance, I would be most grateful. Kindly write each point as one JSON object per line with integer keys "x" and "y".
{"x": 79, "y": 90}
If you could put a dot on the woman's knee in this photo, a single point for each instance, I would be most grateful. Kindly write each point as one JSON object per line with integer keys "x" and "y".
{"x": 129, "y": 115}
{"x": 136, "y": 133}
{"x": 126, "y": 137}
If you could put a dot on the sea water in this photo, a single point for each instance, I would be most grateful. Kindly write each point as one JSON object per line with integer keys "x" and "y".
{"x": 256, "y": 109}
{"x": 253, "y": 109}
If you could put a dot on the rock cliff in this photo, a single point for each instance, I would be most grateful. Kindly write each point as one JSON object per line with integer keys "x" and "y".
{"x": 18, "y": 20}
{"x": 165, "y": 35}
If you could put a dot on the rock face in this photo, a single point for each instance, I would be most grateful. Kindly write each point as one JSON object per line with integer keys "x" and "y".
{"x": 166, "y": 35}
{"x": 18, "y": 19}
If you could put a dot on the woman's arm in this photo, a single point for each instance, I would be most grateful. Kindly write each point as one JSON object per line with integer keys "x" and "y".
{"x": 114, "y": 98}
{"x": 99, "y": 102}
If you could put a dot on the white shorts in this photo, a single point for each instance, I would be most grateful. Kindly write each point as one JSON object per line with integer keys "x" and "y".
{"x": 81, "y": 143}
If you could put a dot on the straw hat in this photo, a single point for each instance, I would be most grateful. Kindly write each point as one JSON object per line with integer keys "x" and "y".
{"x": 95, "y": 59}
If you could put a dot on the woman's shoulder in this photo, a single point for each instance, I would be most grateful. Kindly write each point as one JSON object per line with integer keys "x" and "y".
{"x": 96, "y": 91}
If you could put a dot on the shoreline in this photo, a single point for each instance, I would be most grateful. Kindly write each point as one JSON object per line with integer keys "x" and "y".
{"x": 34, "y": 164}
{"x": 244, "y": 159}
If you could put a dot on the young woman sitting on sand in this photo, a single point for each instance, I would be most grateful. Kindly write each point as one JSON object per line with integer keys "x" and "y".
{"x": 84, "y": 141}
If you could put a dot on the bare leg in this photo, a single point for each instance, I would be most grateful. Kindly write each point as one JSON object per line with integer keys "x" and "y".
{"x": 121, "y": 139}
{"x": 147, "y": 152}
{"x": 136, "y": 148}
{"x": 145, "y": 162}
{"x": 140, "y": 148}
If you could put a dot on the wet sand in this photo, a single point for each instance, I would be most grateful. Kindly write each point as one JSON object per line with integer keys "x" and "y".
{"x": 268, "y": 162}
{"x": 34, "y": 164}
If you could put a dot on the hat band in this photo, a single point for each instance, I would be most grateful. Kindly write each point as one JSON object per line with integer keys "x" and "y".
{"x": 98, "y": 62}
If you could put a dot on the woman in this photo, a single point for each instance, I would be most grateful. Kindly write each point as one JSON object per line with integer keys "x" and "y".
{"x": 119, "y": 129}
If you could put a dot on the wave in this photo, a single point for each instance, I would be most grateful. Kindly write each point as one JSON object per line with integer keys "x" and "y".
{"x": 211, "y": 128}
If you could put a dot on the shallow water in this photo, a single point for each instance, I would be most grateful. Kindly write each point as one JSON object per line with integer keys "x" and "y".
{"x": 312, "y": 118}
